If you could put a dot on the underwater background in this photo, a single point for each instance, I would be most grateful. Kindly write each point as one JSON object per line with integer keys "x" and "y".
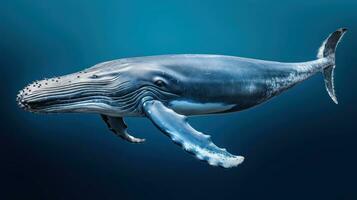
{"x": 299, "y": 145}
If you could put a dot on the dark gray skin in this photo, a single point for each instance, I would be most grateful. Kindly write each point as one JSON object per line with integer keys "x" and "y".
{"x": 165, "y": 88}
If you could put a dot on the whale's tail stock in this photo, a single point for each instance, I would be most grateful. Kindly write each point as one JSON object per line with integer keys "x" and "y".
{"x": 327, "y": 50}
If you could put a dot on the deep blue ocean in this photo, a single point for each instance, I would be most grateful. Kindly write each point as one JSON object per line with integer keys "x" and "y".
{"x": 299, "y": 145}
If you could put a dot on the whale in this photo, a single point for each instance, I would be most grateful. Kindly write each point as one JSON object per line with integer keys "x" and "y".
{"x": 167, "y": 89}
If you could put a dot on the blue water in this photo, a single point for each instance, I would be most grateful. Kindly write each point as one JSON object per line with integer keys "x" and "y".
{"x": 298, "y": 145}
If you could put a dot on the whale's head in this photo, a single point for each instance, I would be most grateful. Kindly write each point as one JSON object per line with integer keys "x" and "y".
{"x": 116, "y": 88}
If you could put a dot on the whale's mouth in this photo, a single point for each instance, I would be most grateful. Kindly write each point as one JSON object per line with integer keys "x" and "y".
{"x": 80, "y": 92}
{"x": 54, "y": 103}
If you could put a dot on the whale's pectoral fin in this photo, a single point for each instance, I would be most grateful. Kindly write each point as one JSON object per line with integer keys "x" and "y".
{"x": 118, "y": 126}
{"x": 177, "y": 128}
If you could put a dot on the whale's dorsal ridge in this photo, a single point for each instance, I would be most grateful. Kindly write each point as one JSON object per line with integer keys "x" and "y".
{"x": 119, "y": 128}
{"x": 177, "y": 128}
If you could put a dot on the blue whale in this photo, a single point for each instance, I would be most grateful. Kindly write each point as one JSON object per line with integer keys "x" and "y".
{"x": 168, "y": 88}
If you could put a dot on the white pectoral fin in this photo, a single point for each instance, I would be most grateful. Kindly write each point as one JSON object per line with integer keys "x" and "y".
{"x": 179, "y": 130}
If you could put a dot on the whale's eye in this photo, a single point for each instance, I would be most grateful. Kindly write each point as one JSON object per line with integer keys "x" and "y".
{"x": 160, "y": 83}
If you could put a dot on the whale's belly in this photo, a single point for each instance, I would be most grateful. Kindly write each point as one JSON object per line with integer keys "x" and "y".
{"x": 187, "y": 107}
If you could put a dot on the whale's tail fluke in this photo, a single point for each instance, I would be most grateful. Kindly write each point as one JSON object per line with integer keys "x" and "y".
{"x": 327, "y": 50}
